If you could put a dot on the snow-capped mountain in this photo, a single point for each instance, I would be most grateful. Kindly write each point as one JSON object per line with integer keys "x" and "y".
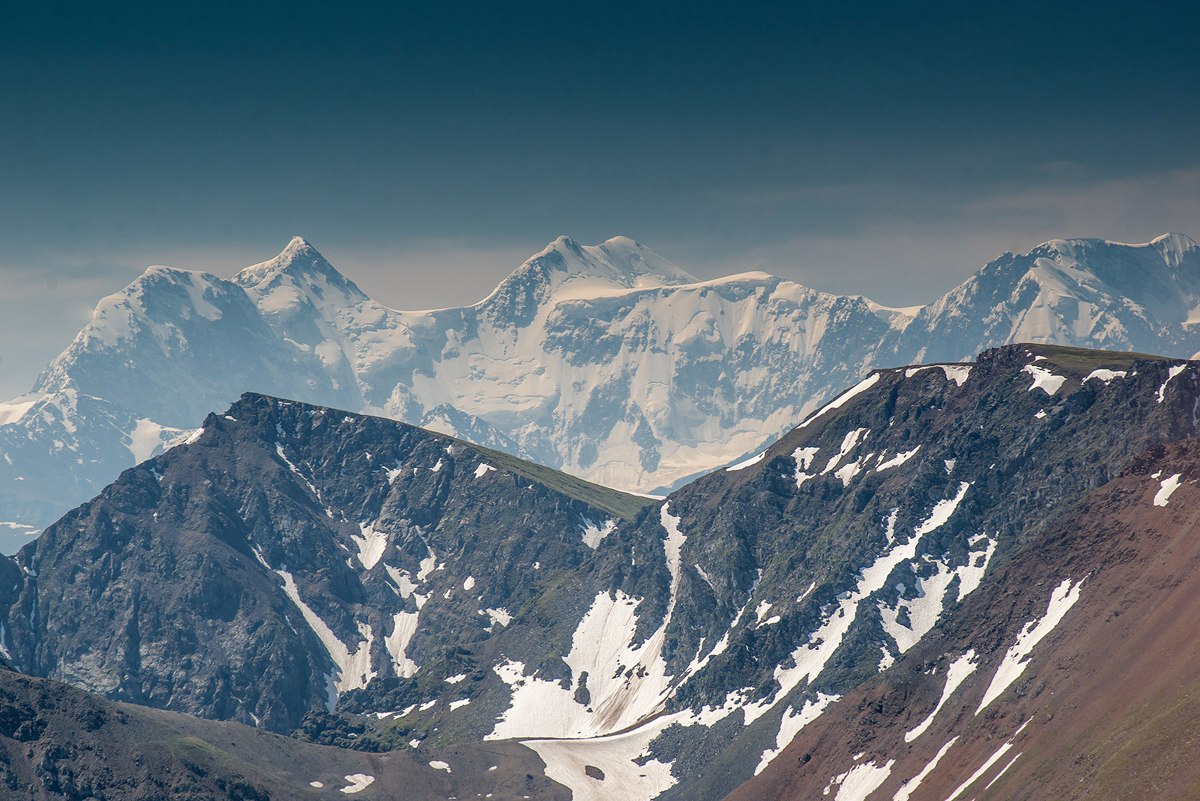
{"x": 296, "y": 563}
{"x": 607, "y": 362}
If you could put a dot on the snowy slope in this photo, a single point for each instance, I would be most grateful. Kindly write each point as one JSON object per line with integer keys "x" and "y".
{"x": 607, "y": 362}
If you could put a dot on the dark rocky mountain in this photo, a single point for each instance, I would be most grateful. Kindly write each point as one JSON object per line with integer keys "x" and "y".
{"x": 290, "y": 555}
{"x": 291, "y": 559}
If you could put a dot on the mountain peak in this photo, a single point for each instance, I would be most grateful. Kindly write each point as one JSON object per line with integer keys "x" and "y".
{"x": 298, "y": 263}
{"x": 619, "y": 260}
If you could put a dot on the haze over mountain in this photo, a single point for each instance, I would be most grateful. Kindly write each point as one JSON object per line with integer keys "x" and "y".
{"x": 607, "y": 361}
{"x": 385, "y": 587}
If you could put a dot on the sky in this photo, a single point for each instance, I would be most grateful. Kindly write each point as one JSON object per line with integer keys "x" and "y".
{"x": 428, "y": 148}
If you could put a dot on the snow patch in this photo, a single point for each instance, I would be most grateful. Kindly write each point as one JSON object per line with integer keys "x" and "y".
{"x": 353, "y": 667}
{"x": 593, "y": 535}
{"x": 371, "y": 544}
{"x": 843, "y": 399}
{"x": 958, "y": 672}
{"x": 404, "y": 626}
{"x": 1043, "y": 379}
{"x": 753, "y": 460}
{"x": 1171, "y": 373}
{"x": 860, "y": 781}
{"x": 483, "y": 469}
{"x": 909, "y": 787}
{"x": 1016, "y": 659}
{"x": 793, "y": 721}
{"x": 895, "y": 461}
{"x": 358, "y": 783}
{"x": 1166, "y": 488}
{"x": 1105, "y": 375}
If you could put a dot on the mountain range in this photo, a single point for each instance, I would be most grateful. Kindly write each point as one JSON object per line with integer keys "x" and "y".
{"x": 948, "y": 576}
{"x": 606, "y": 362}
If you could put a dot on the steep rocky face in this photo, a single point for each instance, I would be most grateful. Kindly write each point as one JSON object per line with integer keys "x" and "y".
{"x": 1070, "y": 673}
{"x": 607, "y": 362}
{"x": 288, "y": 556}
{"x": 448, "y": 594}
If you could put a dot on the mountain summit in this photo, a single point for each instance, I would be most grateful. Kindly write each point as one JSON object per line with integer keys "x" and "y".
{"x": 606, "y": 361}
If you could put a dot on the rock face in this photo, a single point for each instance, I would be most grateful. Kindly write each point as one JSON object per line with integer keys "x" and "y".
{"x": 288, "y": 555}
{"x": 607, "y": 362}
{"x": 289, "y": 558}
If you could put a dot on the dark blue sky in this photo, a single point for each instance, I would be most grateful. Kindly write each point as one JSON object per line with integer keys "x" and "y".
{"x": 856, "y": 147}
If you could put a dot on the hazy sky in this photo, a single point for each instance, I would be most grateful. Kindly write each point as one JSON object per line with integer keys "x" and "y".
{"x": 427, "y": 148}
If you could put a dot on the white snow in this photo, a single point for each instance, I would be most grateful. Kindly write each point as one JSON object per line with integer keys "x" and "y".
{"x": 404, "y": 626}
{"x": 957, "y": 673}
{"x": 1166, "y": 488}
{"x": 371, "y": 544}
{"x": 860, "y": 781}
{"x": 909, "y": 787}
{"x": 500, "y": 616}
{"x": 626, "y": 682}
{"x": 849, "y": 443}
{"x": 482, "y": 470}
{"x": 932, "y": 594}
{"x": 13, "y": 410}
{"x": 459, "y": 704}
{"x": 358, "y": 783}
{"x": 438, "y": 764}
{"x": 353, "y": 667}
{"x": 812, "y": 657}
{"x": 146, "y": 438}
{"x": 791, "y": 724}
{"x": 1105, "y": 375}
{"x": 1043, "y": 379}
{"x": 753, "y": 460}
{"x": 1016, "y": 659}
{"x": 844, "y": 398}
{"x": 455, "y": 679}
{"x": 1003, "y": 770}
{"x": 804, "y": 457}
{"x": 897, "y": 460}
{"x": 1171, "y": 373}
{"x": 614, "y": 754}
{"x": 593, "y": 535}
{"x": 958, "y": 373}
{"x": 988, "y": 763}
{"x": 469, "y": 584}
{"x": 402, "y": 580}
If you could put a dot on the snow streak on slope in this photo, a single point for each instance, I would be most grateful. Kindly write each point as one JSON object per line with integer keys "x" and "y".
{"x": 353, "y": 668}
{"x": 811, "y": 658}
{"x": 909, "y": 787}
{"x": 626, "y": 681}
{"x": 1016, "y": 659}
{"x": 793, "y": 721}
{"x": 960, "y": 669}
